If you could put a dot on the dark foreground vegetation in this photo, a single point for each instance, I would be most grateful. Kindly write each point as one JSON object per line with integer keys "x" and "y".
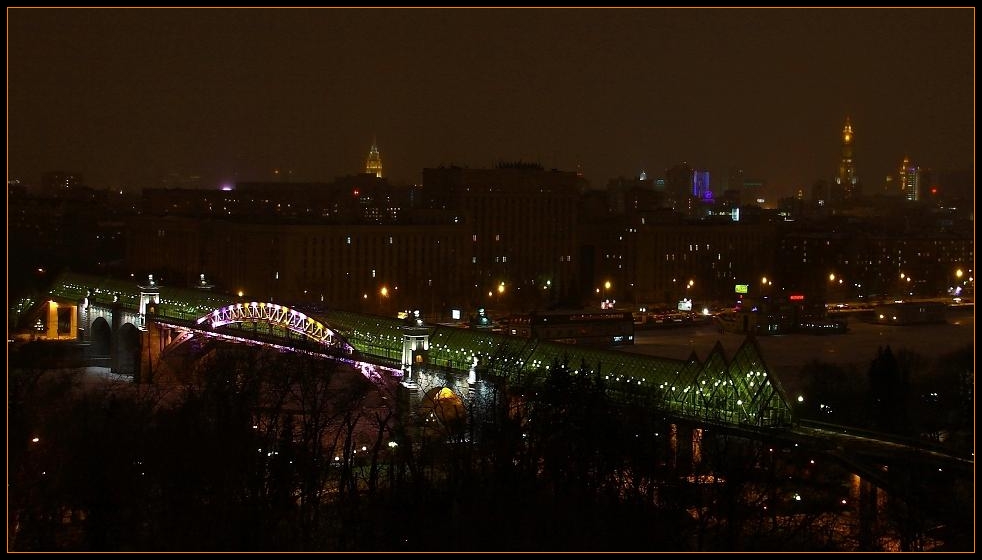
{"x": 258, "y": 450}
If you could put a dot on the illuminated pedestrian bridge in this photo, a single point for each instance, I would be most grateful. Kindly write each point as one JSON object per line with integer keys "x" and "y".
{"x": 134, "y": 327}
{"x": 137, "y": 324}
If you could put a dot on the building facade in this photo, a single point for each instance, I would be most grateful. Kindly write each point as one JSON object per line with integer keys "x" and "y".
{"x": 664, "y": 262}
{"x": 522, "y": 225}
{"x": 366, "y": 267}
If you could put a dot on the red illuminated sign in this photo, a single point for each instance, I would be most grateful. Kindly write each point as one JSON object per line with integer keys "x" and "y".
{"x": 796, "y": 297}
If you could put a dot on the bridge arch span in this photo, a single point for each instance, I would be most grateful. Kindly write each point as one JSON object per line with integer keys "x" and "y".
{"x": 100, "y": 337}
{"x": 128, "y": 345}
{"x": 278, "y": 315}
{"x": 442, "y": 407}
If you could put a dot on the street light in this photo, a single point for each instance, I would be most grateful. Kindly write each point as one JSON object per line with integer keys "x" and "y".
{"x": 832, "y": 290}
{"x": 496, "y": 292}
{"x": 603, "y": 300}
{"x": 382, "y": 293}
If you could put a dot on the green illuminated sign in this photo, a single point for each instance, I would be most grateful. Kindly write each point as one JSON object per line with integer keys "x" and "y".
{"x": 741, "y": 288}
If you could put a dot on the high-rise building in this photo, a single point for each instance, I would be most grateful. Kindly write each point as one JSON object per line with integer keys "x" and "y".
{"x": 678, "y": 186}
{"x": 910, "y": 178}
{"x": 700, "y": 185}
{"x": 735, "y": 179}
{"x": 847, "y": 180}
{"x": 373, "y": 164}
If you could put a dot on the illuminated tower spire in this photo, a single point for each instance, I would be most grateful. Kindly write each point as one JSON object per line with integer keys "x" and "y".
{"x": 847, "y": 170}
{"x": 373, "y": 164}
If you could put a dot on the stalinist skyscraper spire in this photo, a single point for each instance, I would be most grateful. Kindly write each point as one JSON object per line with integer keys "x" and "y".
{"x": 373, "y": 164}
{"x": 847, "y": 179}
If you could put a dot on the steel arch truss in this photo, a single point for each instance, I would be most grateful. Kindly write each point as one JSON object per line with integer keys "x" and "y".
{"x": 274, "y": 314}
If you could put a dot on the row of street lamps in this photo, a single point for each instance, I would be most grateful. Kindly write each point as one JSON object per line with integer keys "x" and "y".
{"x": 383, "y": 292}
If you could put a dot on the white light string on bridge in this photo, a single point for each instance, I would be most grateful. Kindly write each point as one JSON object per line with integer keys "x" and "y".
{"x": 273, "y": 313}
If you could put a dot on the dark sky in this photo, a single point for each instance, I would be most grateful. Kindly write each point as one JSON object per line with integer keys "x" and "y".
{"x": 126, "y": 96}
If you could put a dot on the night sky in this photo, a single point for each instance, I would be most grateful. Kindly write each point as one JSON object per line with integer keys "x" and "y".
{"x": 125, "y": 97}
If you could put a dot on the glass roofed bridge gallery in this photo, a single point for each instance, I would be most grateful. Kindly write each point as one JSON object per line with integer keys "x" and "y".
{"x": 122, "y": 317}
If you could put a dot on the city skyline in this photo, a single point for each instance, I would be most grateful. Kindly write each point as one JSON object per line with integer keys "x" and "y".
{"x": 492, "y": 279}
{"x": 128, "y": 97}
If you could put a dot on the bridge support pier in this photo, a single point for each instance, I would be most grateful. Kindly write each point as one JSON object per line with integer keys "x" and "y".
{"x": 153, "y": 339}
{"x": 673, "y": 445}
{"x": 696, "y": 456}
{"x": 684, "y": 447}
{"x": 409, "y": 401}
{"x": 868, "y": 506}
